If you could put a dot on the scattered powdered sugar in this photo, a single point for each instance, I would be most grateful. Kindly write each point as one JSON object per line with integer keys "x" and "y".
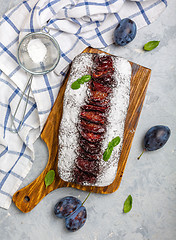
{"x": 73, "y": 99}
{"x": 116, "y": 120}
{"x": 36, "y": 50}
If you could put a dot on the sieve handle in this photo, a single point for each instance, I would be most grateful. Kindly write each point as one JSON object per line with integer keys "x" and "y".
{"x": 45, "y": 29}
{"x": 16, "y": 130}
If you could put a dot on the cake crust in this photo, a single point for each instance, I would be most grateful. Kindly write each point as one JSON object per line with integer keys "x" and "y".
{"x": 106, "y": 102}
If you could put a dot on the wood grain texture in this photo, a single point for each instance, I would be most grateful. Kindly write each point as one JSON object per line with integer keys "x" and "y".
{"x": 28, "y": 197}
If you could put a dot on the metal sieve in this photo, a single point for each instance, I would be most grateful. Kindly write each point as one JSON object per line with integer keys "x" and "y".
{"x": 48, "y": 64}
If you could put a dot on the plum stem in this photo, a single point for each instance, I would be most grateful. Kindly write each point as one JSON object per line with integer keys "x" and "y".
{"x": 141, "y": 154}
{"x": 86, "y": 198}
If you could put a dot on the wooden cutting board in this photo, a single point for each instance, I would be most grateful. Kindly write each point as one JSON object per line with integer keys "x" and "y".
{"x": 28, "y": 197}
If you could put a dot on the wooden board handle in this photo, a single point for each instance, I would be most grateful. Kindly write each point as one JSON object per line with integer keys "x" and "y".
{"x": 28, "y": 197}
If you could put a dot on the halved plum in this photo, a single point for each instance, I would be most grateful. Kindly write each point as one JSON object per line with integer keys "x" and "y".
{"x": 107, "y": 80}
{"x": 96, "y": 86}
{"x": 87, "y": 166}
{"x": 92, "y": 116}
{"x": 101, "y": 73}
{"x": 94, "y": 108}
{"x": 98, "y": 96}
{"x": 105, "y": 103}
{"x": 92, "y": 127}
{"x": 88, "y": 149}
{"x": 102, "y": 66}
{"x": 82, "y": 177}
{"x": 107, "y": 59}
{"x": 91, "y": 155}
{"x": 91, "y": 137}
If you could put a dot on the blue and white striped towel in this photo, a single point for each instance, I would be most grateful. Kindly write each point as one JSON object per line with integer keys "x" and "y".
{"x": 75, "y": 24}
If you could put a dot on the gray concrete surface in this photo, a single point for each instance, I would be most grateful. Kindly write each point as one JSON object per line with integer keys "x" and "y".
{"x": 151, "y": 181}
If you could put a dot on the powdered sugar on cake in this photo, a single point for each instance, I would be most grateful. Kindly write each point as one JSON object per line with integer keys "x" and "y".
{"x": 74, "y": 99}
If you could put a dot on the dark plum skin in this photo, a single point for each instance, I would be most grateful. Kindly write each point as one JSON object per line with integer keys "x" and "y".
{"x": 66, "y": 206}
{"x": 156, "y": 137}
{"x": 76, "y": 220}
{"x": 72, "y": 210}
{"x": 125, "y": 32}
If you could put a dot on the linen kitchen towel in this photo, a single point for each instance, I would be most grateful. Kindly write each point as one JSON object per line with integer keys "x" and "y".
{"x": 76, "y": 24}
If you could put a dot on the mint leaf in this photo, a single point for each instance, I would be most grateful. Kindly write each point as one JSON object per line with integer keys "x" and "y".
{"x": 151, "y": 45}
{"x": 114, "y": 142}
{"x": 75, "y": 85}
{"x": 49, "y": 178}
{"x": 110, "y": 148}
{"x": 128, "y": 204}
{"x": 86, "y": 78}
{"x": 80, "y": 81}
{"x": 107, "y": 154}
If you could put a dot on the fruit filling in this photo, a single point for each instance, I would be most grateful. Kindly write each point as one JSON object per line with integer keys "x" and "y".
{"x": 105, "y": 103}
{"x": 98, "y": 96}
{"x": 96, "y": 86}
{"x": 92, "y": 127}
{"x": 81, "y": 176}
{"x": 93, "y": 120}
{"x": 91, "y": 116}
{"x": 87, "y": 166}
{"x": 89, "y": 148}
{"x": 100, "y": 73}
{"x": 91, "y": 137}
{"x": 94, "y": 108}
{"x": 104, "y": 59}
{"x": 91, "y": 156}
